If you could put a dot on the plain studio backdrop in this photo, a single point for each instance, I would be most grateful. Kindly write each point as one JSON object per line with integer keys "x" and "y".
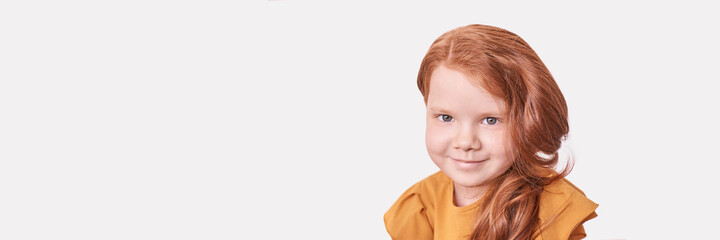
{"x": 296, "y": 119}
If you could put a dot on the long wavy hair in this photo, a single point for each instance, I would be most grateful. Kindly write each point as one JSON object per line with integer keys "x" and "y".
{"x": 506, "y": 66}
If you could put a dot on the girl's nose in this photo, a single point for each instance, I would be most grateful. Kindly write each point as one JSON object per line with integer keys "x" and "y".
{"x": 467, "y": 140}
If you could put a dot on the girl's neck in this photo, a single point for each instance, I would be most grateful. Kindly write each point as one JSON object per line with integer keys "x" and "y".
{"x": 463, "y": 196}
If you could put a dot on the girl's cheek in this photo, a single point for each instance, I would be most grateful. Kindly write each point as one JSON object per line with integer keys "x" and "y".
{"x": 495, "y": 142}
{"x": 437, "y": 139}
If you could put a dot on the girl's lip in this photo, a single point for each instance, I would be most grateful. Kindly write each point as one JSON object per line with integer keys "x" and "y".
{"x": 468, "y": 165}
{"x": 468, "y": 161}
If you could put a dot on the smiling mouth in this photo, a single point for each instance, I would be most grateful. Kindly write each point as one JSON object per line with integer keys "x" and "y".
{"x": 467, "y": 161}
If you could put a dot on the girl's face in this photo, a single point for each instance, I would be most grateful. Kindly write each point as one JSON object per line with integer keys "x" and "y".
{"x": 466, "y": 128}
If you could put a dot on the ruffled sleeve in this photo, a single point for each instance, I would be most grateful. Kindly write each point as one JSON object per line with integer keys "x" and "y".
{"x": 408, "y": 218}
{"x": 563, "y": 210}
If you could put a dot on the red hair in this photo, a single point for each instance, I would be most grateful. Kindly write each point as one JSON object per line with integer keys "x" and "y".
{"x": 506, "y": 66}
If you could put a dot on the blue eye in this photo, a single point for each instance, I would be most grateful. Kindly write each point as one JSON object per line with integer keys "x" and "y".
{"x": 491, "y": 120}
{"x": 445, "y": 118}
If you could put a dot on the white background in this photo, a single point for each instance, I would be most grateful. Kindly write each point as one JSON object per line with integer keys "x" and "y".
{"x": 297, "y": 119}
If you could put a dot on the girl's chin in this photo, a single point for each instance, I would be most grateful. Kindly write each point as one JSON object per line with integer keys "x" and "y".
{"x": 466, "y": 180}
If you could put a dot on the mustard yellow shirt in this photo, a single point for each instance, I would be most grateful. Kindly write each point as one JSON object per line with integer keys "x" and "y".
{"x": 426, "y": 211}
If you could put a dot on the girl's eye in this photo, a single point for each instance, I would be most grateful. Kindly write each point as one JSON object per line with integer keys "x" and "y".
{"x": 445, "y": 118}
{"x": 491, "y": 120}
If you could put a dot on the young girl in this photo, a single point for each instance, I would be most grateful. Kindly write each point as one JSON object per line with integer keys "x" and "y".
{"x": 495, "y": 121}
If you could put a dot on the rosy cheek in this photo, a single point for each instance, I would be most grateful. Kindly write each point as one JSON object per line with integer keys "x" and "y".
{"x": 436, "y": 139}
{"x": 495, "y": 144}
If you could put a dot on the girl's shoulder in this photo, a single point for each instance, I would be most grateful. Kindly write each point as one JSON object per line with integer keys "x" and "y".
{"x": 562, "y": 194}
{"x": 429, "y": 189}
{"x": 563, "y": 210}
{"x": 412, "y": 214}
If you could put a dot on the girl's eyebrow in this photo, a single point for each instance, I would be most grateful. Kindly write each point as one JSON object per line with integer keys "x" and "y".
{"x": 442, "y": 110}
{"x": 437, "y": 109}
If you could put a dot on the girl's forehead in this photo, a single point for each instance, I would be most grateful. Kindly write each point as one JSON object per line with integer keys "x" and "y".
{"x": 450, "y": 89}
{"x": 459, "y": 103}
{"x": 451, "y": 78}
